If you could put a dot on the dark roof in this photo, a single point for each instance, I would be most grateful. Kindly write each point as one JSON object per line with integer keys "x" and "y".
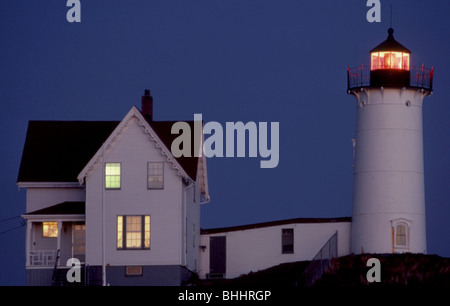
{"x": 57, "y": 151}
{"x": 65, "y": 208}
{"x": 390, "y": 44}
{"x": 274, "y": 223}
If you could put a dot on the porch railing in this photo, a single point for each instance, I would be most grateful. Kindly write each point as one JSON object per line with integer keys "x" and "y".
{"x": 43, "y": 258}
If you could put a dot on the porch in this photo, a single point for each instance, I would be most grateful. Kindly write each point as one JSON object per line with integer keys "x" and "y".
{"x": 54, "y": 235}
{"x": 67, "y": 240}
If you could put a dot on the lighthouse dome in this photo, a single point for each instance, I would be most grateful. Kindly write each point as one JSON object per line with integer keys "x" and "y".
{"x": 390, "y": 44}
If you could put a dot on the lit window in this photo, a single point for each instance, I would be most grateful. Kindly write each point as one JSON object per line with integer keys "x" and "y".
{"x": 112, "y": 175}
{"x": 133, "y": 238}
{"x": 50, "y": 229}
{"x": 155, "y": 175}
{"x": 133, "y": 232}
{"x": 287, "y": 241}
{"x": 405, "y": 61}
{"x": 400, "y": 235}
{"x": 120, "y": 232}
{"x": 389, "y": 60}
{"x": 146, "y": 232}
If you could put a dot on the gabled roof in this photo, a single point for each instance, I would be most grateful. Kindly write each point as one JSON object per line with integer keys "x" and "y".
{"x": 57, "y": 151}
{"x": 158, "y": 133}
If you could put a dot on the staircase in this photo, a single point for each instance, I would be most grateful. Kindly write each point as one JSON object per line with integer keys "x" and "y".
{"x": 321, "y": 262}
{"x": 59, "y": 277}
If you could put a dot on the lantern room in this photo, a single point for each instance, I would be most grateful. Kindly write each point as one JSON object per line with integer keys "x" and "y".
{"x": 389, "y": 60}
{"x": 389, "y": 63}
{"x": 390, "y": 66}
{"x": 390, "y": 54}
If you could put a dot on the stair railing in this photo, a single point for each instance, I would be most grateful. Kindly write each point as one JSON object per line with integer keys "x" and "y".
{"x": 55, "y": 267}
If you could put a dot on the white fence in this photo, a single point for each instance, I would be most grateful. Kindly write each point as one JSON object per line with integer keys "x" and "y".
{"x": 43, "y": 258}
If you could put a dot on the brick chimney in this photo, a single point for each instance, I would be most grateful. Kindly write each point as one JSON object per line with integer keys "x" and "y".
{"x": 147, "y": 105}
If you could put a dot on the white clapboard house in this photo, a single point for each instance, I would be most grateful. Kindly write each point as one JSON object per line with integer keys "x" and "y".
{"x": 111, "y": 195}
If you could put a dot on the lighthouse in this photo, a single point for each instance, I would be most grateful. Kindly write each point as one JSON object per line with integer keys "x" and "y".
{"x": 388, "y": 168}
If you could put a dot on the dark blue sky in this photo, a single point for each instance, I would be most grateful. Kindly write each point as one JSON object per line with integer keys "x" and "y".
{"x": 230, "y": 60}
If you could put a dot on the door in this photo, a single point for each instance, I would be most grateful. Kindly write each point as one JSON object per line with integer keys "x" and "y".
{"x": 217, "y": 255}
{"x": 79, "y": 242}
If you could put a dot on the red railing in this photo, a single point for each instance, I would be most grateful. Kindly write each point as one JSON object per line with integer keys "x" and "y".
{"x": 358, "y": 77}
{"x": 420, "y": 77}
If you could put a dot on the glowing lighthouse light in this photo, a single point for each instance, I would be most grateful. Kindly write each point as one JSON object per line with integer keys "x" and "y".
{"x": 390, "y": 54}
{"x": 389, "y": 63}
{"x": 389, "y": 60}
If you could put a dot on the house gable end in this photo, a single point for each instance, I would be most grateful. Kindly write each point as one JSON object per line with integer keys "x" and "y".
{"x": 115, "y": 136}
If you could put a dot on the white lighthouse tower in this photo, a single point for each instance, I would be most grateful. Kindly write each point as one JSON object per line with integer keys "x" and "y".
{"x": 388, "y": 188}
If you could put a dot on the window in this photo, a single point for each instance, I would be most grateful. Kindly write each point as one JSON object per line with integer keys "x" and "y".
{"x": 50, "y": 229}
{"x": 112, "y": 175}
{"x": 133, "y": 271}
{"x": 133, "y": 232}
{"x": 79, "y": 241}
{"x": 287, "y": 240}
{"x": 155, "y": 175}
{"x": 400, "y": 235}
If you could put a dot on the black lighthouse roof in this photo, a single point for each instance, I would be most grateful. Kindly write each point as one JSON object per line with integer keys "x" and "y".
{"x": 390, "y": 44}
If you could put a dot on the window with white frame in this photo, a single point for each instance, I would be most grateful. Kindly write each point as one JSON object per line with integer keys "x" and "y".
{"x": 400, "y": 234}
{"x": 112, "y": 175}
{"x": 155, "y": 175}
{"x": 133, "y": 232}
